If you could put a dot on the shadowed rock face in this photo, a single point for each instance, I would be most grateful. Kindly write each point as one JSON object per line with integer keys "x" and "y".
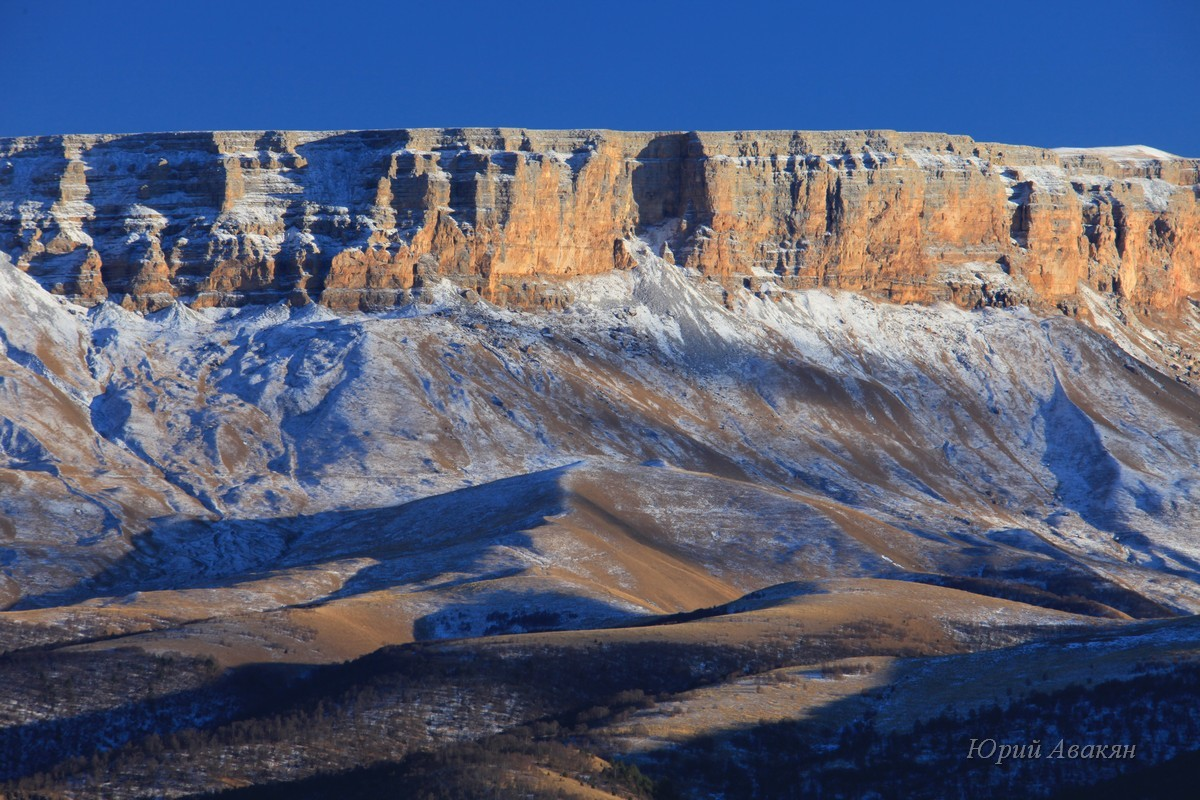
{"x": 364, "y": 219}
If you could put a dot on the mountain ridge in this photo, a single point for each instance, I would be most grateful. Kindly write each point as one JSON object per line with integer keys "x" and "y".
{"x": 366, "y": 220}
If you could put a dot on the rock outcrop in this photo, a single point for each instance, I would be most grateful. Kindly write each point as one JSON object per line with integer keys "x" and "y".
{"x": 363, "y": 220}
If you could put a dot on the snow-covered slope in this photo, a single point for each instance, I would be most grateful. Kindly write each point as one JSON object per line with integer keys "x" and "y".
{"x": 1130, "y": 152}
{"x": 455, "y": 468}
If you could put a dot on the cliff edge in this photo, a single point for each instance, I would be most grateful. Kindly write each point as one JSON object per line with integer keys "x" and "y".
{"x": 364, "y": 219}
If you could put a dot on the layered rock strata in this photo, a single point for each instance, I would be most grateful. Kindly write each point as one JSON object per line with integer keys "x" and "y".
{"x": 363, "y": 220}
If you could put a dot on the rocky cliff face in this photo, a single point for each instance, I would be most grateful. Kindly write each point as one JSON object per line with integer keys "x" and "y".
{"x": 362, "y": 220}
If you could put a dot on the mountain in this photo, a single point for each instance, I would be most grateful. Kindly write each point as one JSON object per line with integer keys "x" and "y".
{"x": 386, "y": 459}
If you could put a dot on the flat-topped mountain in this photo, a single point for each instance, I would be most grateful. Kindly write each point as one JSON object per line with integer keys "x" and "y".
{"x": 674, "y": 498}
{"x": 366, "y": 219}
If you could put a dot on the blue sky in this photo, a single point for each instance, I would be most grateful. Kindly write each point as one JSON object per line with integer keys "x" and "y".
{"x": 1045, "y": 73}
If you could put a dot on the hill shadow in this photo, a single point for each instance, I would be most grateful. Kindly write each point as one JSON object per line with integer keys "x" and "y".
{"x": 505, "y": 611}
{"x": 457, "y": 527}
{"x": 220, "y": 698}
{"x": 1087, "y": 473}
{"x": 1089, "y": 480}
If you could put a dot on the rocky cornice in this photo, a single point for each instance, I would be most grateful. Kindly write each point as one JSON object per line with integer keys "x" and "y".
{"x": 364, "y": 219}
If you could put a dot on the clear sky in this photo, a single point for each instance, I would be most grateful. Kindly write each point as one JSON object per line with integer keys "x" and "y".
{"x": 1045, "y": 73}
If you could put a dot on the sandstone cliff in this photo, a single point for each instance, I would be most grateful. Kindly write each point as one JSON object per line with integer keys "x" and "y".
{"x": 360, "y": 220}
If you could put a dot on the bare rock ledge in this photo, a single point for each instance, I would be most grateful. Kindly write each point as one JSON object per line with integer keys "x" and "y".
{"x": 364, "y": 219}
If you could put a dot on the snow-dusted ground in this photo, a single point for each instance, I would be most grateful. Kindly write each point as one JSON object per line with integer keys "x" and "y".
{"x": 275, "y": 456}
{"x": 1123, "y": 152}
